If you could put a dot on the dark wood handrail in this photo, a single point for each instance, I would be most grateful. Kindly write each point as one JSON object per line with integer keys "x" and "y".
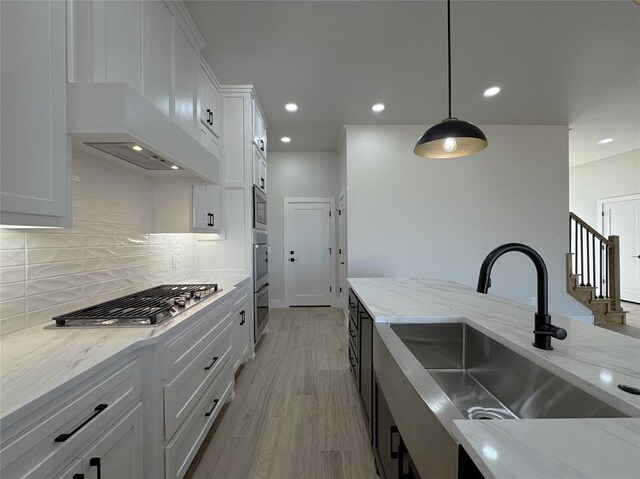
{"x": 588, "y": 227}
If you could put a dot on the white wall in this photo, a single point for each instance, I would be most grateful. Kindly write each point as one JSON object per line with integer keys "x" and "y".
{"x": 295, "y": 174}
{"x": 108, "y": 252}
{"x": 617, "y": 175}
{"x": 412, "y": 217}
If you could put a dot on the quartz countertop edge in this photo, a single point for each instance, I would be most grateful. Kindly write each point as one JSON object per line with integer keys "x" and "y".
{"x": 593, "y": 359}
{"x": 552, "y": 448}
{"x": 39, "y": 363}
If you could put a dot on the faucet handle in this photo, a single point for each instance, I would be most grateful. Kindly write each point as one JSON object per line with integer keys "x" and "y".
{"x": 551, "y": 330}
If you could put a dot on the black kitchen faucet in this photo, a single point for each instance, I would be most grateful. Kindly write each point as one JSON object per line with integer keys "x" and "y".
{"x": 543, "y": 329}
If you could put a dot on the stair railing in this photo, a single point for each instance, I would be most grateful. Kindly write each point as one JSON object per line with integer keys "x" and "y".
{"x": 596, "y": 260}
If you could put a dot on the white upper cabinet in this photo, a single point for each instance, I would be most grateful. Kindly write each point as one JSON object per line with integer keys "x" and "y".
{"x": 115, "y": 36}
{"x": 35, "y": 168}
{"x": 152, "y": 46}
{"x": 185, "y": 75}
{"x": 157, "y": 43}
{"x": 209, "y": 100}
{"x": 206, "y": 209}
{"x": 259, "y": 129}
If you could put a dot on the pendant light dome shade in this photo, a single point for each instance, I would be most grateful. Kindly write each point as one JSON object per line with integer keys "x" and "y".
{"x": 451, "y": 138}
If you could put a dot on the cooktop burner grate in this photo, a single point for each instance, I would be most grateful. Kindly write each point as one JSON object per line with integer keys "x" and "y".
{"x": 144, "y": 307}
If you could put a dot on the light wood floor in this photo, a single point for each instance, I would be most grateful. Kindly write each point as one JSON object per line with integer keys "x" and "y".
{"x": 296, "y": 413}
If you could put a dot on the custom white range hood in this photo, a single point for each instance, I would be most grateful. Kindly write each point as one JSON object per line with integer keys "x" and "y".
{"x": 113, "y": 118}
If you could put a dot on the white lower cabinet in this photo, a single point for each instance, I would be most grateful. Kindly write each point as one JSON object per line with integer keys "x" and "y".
{"x": 118, "y": 453}
{"x": 68, "y": 423}
{"x": 180, "y": 451}
{"x": 242, "y": 326}
{"x": 130, "y": 422}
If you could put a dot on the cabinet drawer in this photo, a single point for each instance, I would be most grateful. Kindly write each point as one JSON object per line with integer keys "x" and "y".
{"x": 183, "y": 392}
{"x": 239, "y": 299}
{"x": 353, "y": 338}
{"x": 182, "y": 350}
{"x": 354, "y": 367}
{"x": 180, "y": 450}
{"x": 63, "y": 427}
{"x": 353, "y": 305}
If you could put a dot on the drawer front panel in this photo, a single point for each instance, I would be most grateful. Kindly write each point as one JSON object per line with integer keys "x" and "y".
{"x": 180, "y": 450}
{"x": 185, "y": 348}
{"x": 353, "y": 337}
{"x": 353, "y": 304}
{"x": 70, "y": 424}
{"x": 354, "y": 367}
{"x": 183, "y": 392}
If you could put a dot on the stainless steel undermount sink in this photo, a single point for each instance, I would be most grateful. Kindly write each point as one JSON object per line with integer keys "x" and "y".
{"x": 486, "y": 380}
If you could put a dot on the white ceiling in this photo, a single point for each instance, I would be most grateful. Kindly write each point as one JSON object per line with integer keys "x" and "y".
{"x": 573, "y": 63}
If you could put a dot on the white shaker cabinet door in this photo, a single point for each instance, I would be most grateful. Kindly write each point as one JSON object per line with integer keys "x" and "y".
{"x": 157, "y": 35}
{"x": 35, "y": 168}
{"x": 119, "y": 452}
{"x": 185, "y": 74}
{"x": 116, "y": 41}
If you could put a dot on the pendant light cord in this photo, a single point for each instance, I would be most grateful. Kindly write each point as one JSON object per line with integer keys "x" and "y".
{"x": 449, "y": 49}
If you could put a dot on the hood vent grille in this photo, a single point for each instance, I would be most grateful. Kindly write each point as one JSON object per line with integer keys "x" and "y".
{"x": 134, "y": 154}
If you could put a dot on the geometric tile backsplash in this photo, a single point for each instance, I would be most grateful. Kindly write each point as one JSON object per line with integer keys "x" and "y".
{"x": 108, "y": 252}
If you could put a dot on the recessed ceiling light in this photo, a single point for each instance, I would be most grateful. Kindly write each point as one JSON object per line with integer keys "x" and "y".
{"x": 285, "y": 139}
{"x": 291, "y": 107}
{"x": 378, "y": 107}
{"x": 492, "y": 91}
{"x": 604, "y": 141}
{"x": 174, "y": 167}
{"x": 137, "y": 148}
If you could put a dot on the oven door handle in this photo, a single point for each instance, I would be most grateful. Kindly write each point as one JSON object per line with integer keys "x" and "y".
{"x": 265, "y": 286}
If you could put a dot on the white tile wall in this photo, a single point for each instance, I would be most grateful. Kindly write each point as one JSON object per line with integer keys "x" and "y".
{"x": 109, "y": 251}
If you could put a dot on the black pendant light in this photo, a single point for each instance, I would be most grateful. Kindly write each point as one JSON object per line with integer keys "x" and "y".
{"x": 451, "y": 138}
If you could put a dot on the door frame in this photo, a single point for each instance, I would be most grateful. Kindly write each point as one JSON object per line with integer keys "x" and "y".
{"x": 613, "y": 199}
{"x": 332, "y": 233}
{"x": 342, "y": 231}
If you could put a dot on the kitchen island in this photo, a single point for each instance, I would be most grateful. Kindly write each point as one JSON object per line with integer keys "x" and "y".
{"x": 591, "y": 358}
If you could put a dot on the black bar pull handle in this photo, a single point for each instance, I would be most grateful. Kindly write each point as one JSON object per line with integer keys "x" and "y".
{"x": 95, "y": 462}
{"x": 262, "y": 183}
{"x": 98, "y": 409}
{"x": 212, "y": 363}
{"x": 210, "y": 412}
{"x": 243, "y": 314}
{"x": 78, "y": 476}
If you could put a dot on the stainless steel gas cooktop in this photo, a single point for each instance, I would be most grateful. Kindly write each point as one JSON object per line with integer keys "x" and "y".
{"x": 149, "y": 307}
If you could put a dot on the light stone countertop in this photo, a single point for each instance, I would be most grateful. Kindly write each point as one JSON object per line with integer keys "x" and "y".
{"x": 593, "y": 359}
{"x": 553, "y": 448}
{"x": 38, "y": 361}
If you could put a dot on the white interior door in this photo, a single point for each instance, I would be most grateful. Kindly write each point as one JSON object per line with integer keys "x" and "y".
{"x": 342, "y": 253}
{"x": 621, "y": 216}
{"x": 308, "y": 253}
